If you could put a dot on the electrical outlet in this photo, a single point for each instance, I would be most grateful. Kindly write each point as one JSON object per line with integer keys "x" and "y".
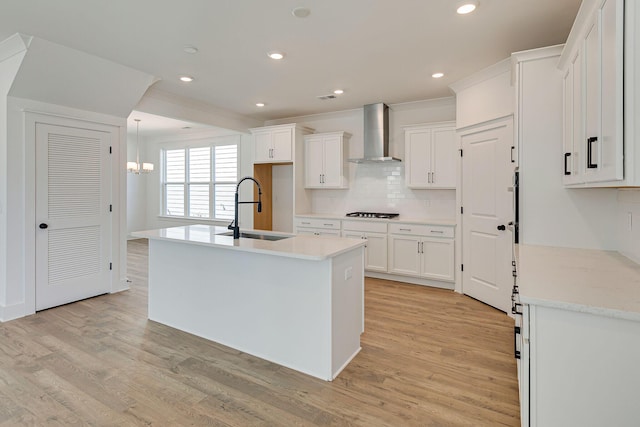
{"x": 348, "y": 273}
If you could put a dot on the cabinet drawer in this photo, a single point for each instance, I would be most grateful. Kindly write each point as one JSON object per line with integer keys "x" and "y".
{"x": 366, "y": 226}
{"x": 333, "y": 224}
{"x": 422, "y": 230}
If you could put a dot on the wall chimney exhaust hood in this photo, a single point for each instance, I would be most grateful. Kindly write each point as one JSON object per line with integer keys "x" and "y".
{"x": 376, "y": 135}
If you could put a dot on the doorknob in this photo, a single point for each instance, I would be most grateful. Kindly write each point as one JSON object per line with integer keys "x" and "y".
{"x": 43, "y": 226}
{"x": 501, "y": 227}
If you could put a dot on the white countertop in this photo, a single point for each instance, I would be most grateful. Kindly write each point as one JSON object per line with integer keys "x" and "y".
{"x": 297, "y": 246}
{"x": 591, "y": 281}
{"x": 399, "y": 219}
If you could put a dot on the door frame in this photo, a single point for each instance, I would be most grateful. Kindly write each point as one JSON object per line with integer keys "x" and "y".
{"x": 33, "y": 112}
{"x": 459, "y": 287}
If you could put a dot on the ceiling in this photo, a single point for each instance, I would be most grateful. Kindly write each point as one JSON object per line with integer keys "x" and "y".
{"x": 375, "y": 50}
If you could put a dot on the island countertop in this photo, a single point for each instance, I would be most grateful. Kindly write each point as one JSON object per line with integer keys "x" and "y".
{"x": 295, "y": 246}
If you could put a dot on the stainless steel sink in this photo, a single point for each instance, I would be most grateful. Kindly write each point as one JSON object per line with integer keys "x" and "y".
{"x": 256, "y": 236}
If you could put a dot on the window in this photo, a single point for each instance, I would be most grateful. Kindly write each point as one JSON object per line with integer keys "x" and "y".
{"x": 199, "y": 182}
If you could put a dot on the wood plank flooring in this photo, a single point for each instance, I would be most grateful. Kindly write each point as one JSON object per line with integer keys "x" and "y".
{"x": 429, "y": 357}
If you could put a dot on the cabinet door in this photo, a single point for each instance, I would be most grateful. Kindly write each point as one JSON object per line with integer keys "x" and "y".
{"x": 418, "y": 153}
{"x": 333, "y": 162}
{"x": 592, "y": 138}
{"x": 262, "y": 146}
{"x": 438, "y": 259}
{"x": 404, "y": 255}
{"x": 313, "y": 160}
{"x": 573, "y": 126}
{"x": 376, "y": 252}
{"x": 443, "y": 158}
{"x": 282, "y": 145}
{"x": 611, "y": 159}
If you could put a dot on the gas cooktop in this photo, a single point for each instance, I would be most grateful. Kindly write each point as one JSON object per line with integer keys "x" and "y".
{"x": 372, "y": 215}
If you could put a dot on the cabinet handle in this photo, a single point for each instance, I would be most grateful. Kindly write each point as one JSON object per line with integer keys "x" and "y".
{"x": 590, "y": 141}
{"x": 329, "y": 225}
{"x": 306, "y": 223}
{"x": 516, "y": 332}
{"x": 512, "y": 159}
{"x": 437, "y": 231}
{"x": 566, "y": 163}
{"x": 514, "y": 309}
{"x": 421, "y": 247}
{"x": 404, "y": 229}
{"x": 433, "y": 177}
{"x": 418, "y": 247}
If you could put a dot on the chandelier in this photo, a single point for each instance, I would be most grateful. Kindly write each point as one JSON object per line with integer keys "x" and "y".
{"x": 137, "y": 167}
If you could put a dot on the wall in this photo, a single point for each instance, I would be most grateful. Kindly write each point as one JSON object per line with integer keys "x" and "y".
{"x": 551, "y": 214}
{"x": 136, "y": 188}
{"x": 144, "y": 213}
{"x": 628, "y": 222}
{"x": 380, "y": 187}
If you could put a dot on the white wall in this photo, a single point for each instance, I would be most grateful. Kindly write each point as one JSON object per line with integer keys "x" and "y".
{"x": 144, "y": 201}
{"x": 628, "y": 222}
{"x": 551, "y": 214}
{"x": 380, "y": 187}
{"x": 136, "y": 188}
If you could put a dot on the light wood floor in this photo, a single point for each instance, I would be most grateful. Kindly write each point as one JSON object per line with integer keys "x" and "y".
{"x": 429, "y": 357}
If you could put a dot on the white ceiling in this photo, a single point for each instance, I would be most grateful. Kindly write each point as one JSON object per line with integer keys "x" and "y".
{"x": 376, "y": 50}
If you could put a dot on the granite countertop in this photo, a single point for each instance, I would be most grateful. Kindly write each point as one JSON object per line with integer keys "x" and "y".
{"x": 295, "y": 246}
{"x": 586, "y": 280}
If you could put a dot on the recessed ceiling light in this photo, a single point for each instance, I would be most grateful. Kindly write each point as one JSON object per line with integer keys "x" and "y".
{"x": 300, "y": 12}
{"x": 338, "y": 91}
{"x": 186, "y": 79}
{"x": 260, "y": 104}
{"x": 275, "y": 55}
{"x": 437, "y": 75}
{"x": 467, "y": 6}
{"x": 190, "y": 49}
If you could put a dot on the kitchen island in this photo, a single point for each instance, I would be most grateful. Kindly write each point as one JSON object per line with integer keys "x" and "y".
{"x": 297, "y": 302}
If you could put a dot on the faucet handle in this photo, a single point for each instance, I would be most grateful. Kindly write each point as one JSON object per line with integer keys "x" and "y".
{"x": 230, "y": 226}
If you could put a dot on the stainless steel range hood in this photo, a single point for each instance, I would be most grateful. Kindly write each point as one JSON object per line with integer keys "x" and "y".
{"x": 376, "y": 135}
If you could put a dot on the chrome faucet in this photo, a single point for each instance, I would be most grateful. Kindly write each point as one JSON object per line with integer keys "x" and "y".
{"x": 234, "y": 224}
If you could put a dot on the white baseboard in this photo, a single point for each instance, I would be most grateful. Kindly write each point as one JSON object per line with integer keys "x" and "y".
{"x": 11, "y": 312}
{"x": 409, "y": 279}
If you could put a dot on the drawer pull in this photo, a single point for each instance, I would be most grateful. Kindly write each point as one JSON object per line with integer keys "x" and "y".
{"x": 306, "y": 223}
{"x": 437, "y": 231}
{"x": 329, "y": 225}
{"x": 405, "y": 229}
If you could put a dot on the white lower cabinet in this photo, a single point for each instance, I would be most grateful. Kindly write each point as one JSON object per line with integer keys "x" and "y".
{"x": 375, "y": 252}
{"x": 413, "y": 252}
{"x": 577, "y": 368}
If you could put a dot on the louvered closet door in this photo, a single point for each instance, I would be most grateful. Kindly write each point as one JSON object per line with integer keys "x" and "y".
{"x": 73, "y": 185}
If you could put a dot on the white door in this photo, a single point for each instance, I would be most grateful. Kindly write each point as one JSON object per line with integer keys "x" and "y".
{"x": 418, "y": 145}
{"x": 376, "y": 252}
{"x": 73, "y": 190}
{"x": 437, "y": 259}
{"x": 332, "y": 165}
{"x": 404, "y": 255}
{"x": 487, "y": 209}
{"x": 314, "y": 154}
{"x": 443, "y": 160}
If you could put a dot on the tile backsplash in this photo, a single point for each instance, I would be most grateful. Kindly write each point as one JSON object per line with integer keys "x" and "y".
{"x": 380, "y": 187}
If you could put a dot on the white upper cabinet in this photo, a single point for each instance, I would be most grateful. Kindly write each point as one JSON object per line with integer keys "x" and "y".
{"x": 325, "y": 155}
{"x": 430, "y": 151}
{"x": 274, "y": 144}
{"x": 595, "y": 150}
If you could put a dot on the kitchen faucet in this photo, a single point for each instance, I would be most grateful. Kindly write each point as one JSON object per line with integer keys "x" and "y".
{"x": 234, "y": 224}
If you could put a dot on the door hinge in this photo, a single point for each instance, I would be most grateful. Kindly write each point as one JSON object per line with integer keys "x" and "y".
{"x": 460, "y": 150}
{"x": 110, "y": 208}
{"x": 110, "y": 266}
{"x": 110, "y": 149}
{"x": 461, "y": 267}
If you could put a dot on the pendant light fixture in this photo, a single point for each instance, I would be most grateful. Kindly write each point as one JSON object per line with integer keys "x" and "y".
{"x": 137, "y": 167}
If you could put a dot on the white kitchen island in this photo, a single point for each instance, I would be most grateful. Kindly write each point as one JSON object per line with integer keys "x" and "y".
{"x": 297, "y": 302}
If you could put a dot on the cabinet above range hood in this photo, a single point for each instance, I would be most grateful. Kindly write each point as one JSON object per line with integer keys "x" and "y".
{"x": 376, "y": 135}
